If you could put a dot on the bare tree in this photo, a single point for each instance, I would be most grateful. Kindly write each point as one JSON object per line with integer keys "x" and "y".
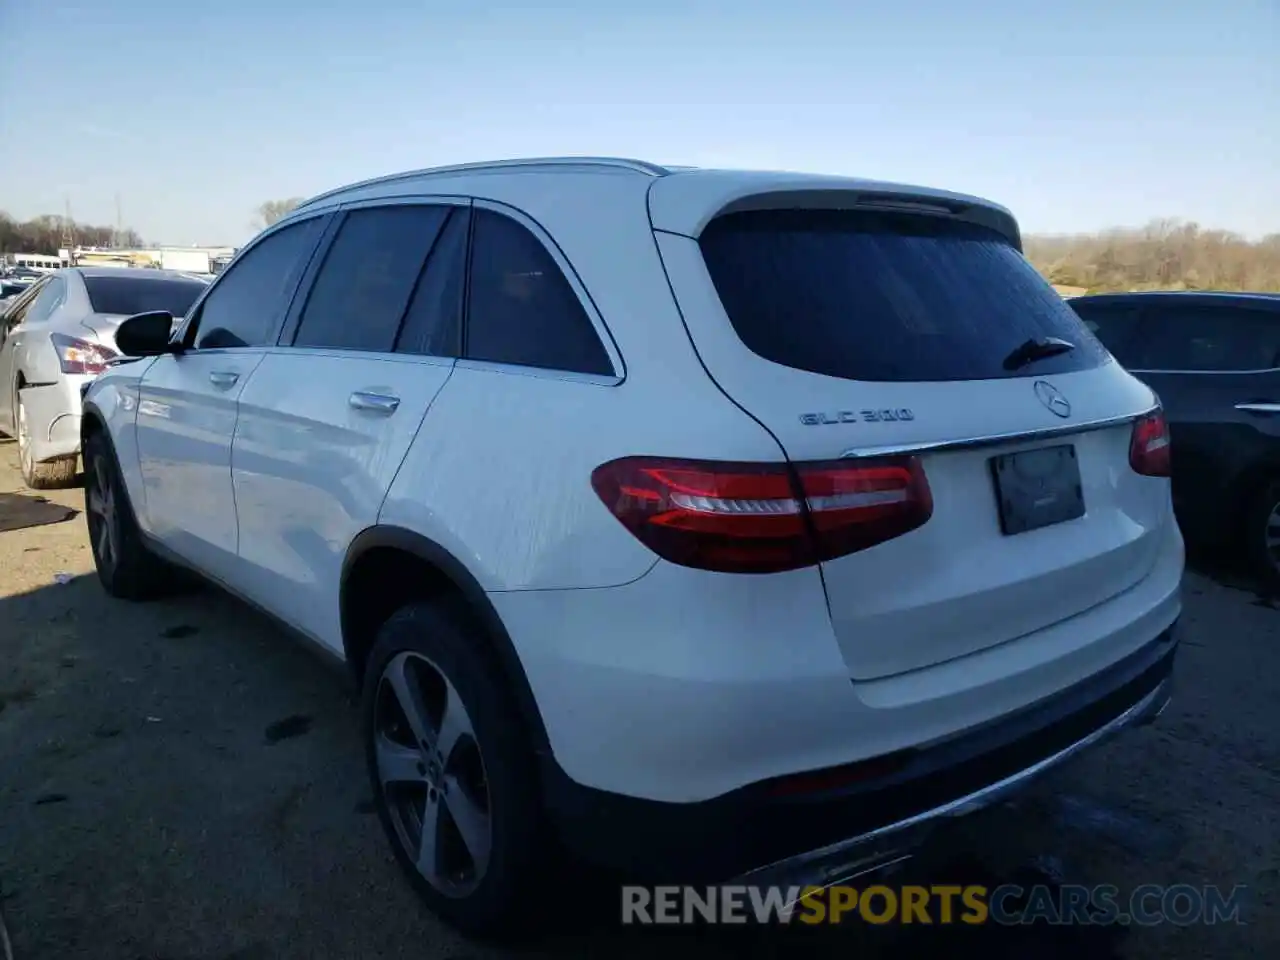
{"x": 272, "y": 210}
{"x": 43, "y": 234}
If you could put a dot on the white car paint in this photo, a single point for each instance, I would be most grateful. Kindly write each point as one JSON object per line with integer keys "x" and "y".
{"x": 656, "y": 681}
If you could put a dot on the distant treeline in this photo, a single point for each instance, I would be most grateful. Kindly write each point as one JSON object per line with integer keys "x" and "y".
{"x": 44, "y": 235}
{"x": 1165, "y": 255}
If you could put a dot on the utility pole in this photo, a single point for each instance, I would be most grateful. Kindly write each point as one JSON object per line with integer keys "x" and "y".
{"x": 68, "y": 228}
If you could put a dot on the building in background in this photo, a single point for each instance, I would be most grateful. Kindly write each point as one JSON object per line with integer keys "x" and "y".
{"x": 40, "y": 262}
{"x": 201, "y": 260}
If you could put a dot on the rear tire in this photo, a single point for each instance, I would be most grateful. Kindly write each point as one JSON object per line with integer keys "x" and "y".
{"x": 488, "y": 859}
{"x": 1262, "y": 536}
{"x": 126, "y": 568}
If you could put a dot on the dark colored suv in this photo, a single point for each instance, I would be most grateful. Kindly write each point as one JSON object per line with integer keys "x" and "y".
{"x": 1214, "y": 360}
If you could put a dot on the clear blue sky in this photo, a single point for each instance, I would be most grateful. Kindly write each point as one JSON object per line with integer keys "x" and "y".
{"x": 1076, "y": 115}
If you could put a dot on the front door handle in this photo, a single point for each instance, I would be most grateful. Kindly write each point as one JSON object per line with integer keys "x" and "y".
{"x": 223, "y": 378}
{"x": 375, "y": 402}
{"x": 1259, "y": 406}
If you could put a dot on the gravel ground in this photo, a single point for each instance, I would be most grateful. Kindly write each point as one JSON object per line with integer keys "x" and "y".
{"x": 179, "y": 781}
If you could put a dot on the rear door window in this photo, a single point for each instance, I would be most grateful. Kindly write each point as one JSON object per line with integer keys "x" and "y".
{"x": 432, "y": 325}
{"x": 368, "y": 277}
{"x": 887, "y": 296}
{"x": 1210, "y": 339}
{"x": 1116, "y": 325}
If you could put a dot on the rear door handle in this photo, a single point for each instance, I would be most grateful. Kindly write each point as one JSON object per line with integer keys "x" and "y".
{"x": 375, "y": 402}
{"x": 223, "y": 378}
{"x": 1259, "y": 406}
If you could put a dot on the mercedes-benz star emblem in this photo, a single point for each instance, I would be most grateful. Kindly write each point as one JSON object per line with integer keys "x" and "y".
{"x": 1053, "y": 399}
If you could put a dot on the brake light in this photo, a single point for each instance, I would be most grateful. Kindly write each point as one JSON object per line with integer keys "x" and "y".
{"x": 81, "y": 356}
{"x": 1149, "y": 447}
{"x": 763, "y": 517}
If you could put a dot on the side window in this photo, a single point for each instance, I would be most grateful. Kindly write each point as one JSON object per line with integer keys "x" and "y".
{"x": 48, "y": 300}
{"x": 245, "y": 305}
{"x": 22, "y": 306}
{"x": 368, "y": 277}
{"x": 1211, "y": 339}
{"x": 1117, "y": 326}
{"x": 433, "y": 324}
{"x": 521, "y": 309}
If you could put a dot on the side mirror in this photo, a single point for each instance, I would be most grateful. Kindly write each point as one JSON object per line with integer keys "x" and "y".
{"x": 146, "y": 334}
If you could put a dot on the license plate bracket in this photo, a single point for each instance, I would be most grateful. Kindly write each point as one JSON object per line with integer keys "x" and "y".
{"x": 1037, "y": 488}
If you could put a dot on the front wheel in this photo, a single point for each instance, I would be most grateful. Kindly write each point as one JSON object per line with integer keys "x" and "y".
{"x": 453, "y": 776}
{"x": 126, "y": 568}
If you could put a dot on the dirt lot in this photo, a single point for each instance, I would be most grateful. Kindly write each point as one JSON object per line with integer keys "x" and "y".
{"x": 180, "y": 781}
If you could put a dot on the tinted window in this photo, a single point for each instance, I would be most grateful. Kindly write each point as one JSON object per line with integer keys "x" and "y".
{"x": 245, "y": 305}
{"x": 1208, "y": 338}
{"x": 433, "y": 324}
{"x": 521, "y": 309}
{"x": 879, "y": 296}
{"x": 368, "y": 277}
{"x": 1116, "y": 325}
{"x": 130, "y": 295}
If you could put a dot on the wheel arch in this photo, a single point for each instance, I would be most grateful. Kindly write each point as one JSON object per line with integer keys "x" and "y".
{"x": 91, "y": 420}
{"x": 372, "y": 548}
{"x": 1248, "y": 484}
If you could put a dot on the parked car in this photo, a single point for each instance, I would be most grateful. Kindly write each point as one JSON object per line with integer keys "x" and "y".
{"x": 716, "y": 524}
{"x": 1214, "y": 360}
{"x": 57, "y": 335}
{"x": 15, "y": 280}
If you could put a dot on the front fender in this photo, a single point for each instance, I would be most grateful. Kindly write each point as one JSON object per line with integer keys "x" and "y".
{"x": 110, "y": 402}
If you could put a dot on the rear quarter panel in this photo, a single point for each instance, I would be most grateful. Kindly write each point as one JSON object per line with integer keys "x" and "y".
{"x": 500, "y": 473}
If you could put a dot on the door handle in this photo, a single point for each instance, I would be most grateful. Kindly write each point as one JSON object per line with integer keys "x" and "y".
{"x": 375, "y": 402}
{"x": 223, "y": 378}
{"x": 1259, "y": 406}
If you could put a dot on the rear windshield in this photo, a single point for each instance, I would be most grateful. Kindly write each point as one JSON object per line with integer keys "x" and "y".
{"x": 129, "y": 295}
{"x": 887, "y": 296}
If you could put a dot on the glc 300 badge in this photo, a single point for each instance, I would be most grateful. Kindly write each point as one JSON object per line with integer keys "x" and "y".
{"x": 888, "y": 415}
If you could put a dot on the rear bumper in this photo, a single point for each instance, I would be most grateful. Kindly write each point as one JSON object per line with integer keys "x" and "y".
{"x": 53, "y": 415}
{"x": 771, "y": 833}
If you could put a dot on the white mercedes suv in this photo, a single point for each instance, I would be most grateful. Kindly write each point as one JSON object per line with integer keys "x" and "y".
{"x": 706, "y": 524}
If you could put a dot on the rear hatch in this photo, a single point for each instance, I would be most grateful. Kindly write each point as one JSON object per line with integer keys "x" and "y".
{"x": 878, "y": 331}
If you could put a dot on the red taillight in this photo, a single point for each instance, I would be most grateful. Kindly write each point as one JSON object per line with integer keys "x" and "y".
{"x": 80, "y": 356}
{"x": 1149, "y": 446}
{"x": 763, "y": 517}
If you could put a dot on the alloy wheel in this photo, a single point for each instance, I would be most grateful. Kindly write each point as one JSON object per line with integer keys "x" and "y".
{"x": 103, "y": 526}
{"x": 431, "y": 774}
